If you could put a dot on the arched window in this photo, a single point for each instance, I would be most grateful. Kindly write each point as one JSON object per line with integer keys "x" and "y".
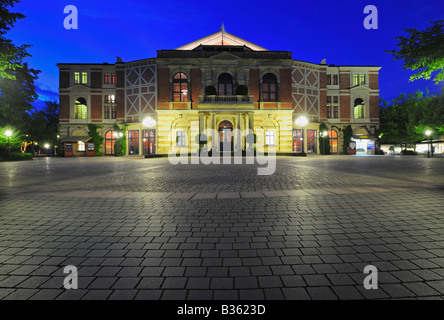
{"x": 242, "y": 91}
{"x": 180, "y": 87}
{"x": 225, "y": 85}
{"x": 359, "y": 109}
{"x": 269, "y": 87}
{"x": 333, "y": 137}
{"x": 80, "y": 109}
{"x": 110, "y": 142}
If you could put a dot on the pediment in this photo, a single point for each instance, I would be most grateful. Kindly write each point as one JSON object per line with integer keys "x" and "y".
{"x": 361, "y": 87}
{"x": 221, "y": 38}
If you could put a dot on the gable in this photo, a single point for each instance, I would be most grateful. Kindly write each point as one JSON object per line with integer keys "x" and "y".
{"x": 221, "y": 38}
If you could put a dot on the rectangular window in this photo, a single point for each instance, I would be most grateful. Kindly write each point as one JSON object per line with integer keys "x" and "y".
{"x": 332, "y": 107}
{"x": 328, "y": 79}
{"x": 110, "y": 108}
{"x": 312, "y": 141}
{"x": 298, "y": 138}
{"x": 362, "y": 78}
{"x": 84, "y": 77}
{"x": 107, "y": 78}
{"x": 133, "y": 142}
{"x": 76, "y": 77}
{"x": 356, "y": 79}
{"x": 180, "y": 138}
{"x": 81, "y": 146}
{"x": 270, "y": 138}
{"x": 114, "y": 78}
{"x": 149, "y": 141}
{"x": 335, "y": 79}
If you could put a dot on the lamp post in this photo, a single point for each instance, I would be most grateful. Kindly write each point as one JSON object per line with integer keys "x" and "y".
{"x": 46, "y": 146}
{"x": 117, "y": 135}
{"x": 301, "y": 122}
{"x": 8, "y": 133}
{"x": 428, "y": 133}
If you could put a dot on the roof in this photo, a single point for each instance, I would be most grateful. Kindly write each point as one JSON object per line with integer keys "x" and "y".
{"x": 221, "y": 38}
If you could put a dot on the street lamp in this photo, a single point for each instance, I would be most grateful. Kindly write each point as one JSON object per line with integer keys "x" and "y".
{"x": 301, "y": 122}
{"x": 149, "y": 122}
{"x": 117, "y": 135}
{"x": 8, "y": 133}
{"x": 428, "y": 133}
{"x": 46, "y": 146}
{"x": 324, "y": 134}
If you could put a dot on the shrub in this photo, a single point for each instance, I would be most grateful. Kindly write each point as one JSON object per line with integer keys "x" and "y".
{"x": 409, "y": 152}
{"x": 16, "y": 156}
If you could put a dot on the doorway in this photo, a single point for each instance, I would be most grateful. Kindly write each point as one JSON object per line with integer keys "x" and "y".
{"x": 226, "y": 136}
{"x": 149, "y": 141}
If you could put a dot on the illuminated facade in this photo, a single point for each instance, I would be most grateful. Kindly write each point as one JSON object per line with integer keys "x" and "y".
{"x": 223, "y": 83}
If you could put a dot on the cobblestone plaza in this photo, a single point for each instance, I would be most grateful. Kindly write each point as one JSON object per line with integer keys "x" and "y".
{"x": 144, "y": 229}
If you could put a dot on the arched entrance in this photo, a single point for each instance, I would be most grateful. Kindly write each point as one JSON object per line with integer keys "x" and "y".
{"x": 226, "y": 136}
{"x": 110, "y": 143}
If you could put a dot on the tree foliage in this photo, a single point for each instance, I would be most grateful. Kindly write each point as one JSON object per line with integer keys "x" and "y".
{"x": 422, "y": 51}
{"x": 324, "y": 142}
{"x": 11, "y": 56}
{"x": 405, "y": 119}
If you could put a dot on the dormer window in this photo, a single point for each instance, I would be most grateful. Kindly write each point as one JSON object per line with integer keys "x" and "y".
{"x": 81, "y": 77}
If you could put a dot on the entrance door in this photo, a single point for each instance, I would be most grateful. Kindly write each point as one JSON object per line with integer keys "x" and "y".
{"x": 226, "y": 136}
{"x": 149, "y": 141}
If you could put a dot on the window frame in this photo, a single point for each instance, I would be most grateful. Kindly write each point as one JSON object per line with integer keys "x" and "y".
{"x": 267, "y": 80}
{"x": 181, "y": 138}
{"x": 182, "y": 81}
{"x": 270, "y": 134}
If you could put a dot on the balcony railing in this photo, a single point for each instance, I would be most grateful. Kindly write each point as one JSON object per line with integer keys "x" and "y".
{"x": 226, "y": 99}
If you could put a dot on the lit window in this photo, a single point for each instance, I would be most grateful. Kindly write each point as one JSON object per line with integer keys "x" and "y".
{"x": 110, "y": 107}
{"x": 114, "y": 78}
{"x": 107, "y": 78}
{"x": 84, "y": 77}
{"x": 180, "y": 87}
{"x": 81, "y": 146}
{"x": 76, "y": 77}
{"x": 333, "y": 137}
{"x": 80, "y": 109}
{"x": 358, "y": 79}
{"x": 359, "y": 109}
{"x": 270, "y": 138}
{"x": 180, "y": 138}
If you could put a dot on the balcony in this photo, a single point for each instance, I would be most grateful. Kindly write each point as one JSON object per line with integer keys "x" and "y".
{"x": 239, "y": 99}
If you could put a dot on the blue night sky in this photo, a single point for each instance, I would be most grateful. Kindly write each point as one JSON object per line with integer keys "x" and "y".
{"x": 312, "y": 30}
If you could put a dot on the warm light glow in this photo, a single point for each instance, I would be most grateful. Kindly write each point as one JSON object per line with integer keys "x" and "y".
{"x": 149, "y": 122}
{"x": 428, "y": 133}
{"x": 46, "y": 146}
{"x": 324, "y": 133}
{"x": 8, "y": 133}
{"x": 301, "y": 121}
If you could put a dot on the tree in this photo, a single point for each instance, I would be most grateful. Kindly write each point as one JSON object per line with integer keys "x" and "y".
{"x": 422, "y": 51}
{"x": 324, "y": 142}
{"x": 17, "y": 96}
{"x": 11, "y": 56}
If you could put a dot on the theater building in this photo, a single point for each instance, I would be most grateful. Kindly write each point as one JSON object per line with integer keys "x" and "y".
{"x": 220, "y": 82}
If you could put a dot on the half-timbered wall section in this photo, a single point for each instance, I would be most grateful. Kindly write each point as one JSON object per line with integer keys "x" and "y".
{"x": 141, "y": 93}
{"x": 305, "y": 85}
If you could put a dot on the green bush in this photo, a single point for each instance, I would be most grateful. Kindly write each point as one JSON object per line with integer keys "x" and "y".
{"x": 409, "y": 152}
{"x": 16, "y": 156}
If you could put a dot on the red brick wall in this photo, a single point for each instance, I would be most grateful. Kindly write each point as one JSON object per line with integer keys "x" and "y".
{"x": 120, "y": 76}
{"x": 196, "y": 86}
{"x": 285, "y": 86}
{"x": 373, "y": 81}
{"x": 64, "y": 77}
{"x": 323, "y": 104}
{"x": 345, "y": 108}
{"x": 96, "y": 107}
{"x": 64, "y": 107}
{"x": 96, "y": 78}
{"x": 254, "y": 84}
{"x": 374, "y": 107}
{"x": 163, "y": 84}
{"x": 120, "y": 102}
{"x": 344, "y": 80}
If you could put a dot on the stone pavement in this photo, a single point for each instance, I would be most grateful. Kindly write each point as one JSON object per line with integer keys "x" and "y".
{"x": 144, "y": 229}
